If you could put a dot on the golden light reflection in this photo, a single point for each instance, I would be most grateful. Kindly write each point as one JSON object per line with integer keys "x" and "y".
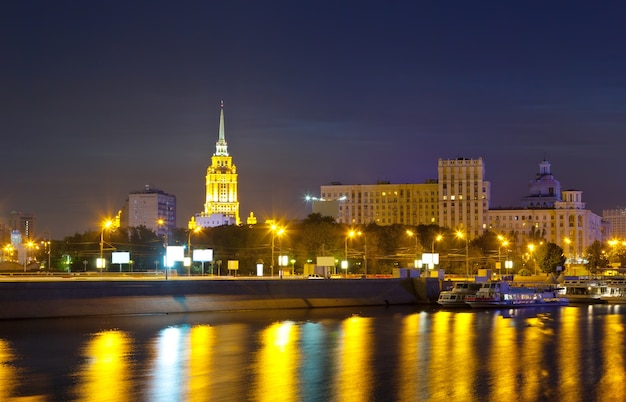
{"x": 569, "y": 354}
{"x": 504, "y": 370}
{"x": 613, "y": 381}
{"x": 354, "y": 376}
{"x": 277, "y": 364}
{"x": 106, "y": 373}
{"x": 7, "y": 371}
{"x": 531, "y": 360}
{"x": 463, "y": 373}
{"x": 441, "y": 355}
{"x": 411, "y": 384}
{"x": 200, "y": 373}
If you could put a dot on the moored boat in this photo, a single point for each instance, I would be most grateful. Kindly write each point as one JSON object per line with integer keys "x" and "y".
{"x": 507, "y": 295}
{"x": 615, "y": 292}
{"x": 584, "y": 291}
{"x": 456, "y": 296}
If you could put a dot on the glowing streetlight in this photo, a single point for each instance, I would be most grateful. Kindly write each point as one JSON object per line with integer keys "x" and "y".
{"x": 568, "y": 242}
{"x": 194, "y": 229}
{"x": 166, "y": 242}
{"x": 531, "y": 248}
{"x": 27, "y": 246}
{"x": 503, "y": 243}
{"x": 106, "y": 225}
{"x": 410, "y": 233}
{"x": 276, "y": 231}
{"x": 461, "y": 235}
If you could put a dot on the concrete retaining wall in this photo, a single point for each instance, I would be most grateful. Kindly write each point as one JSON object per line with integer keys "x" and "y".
{"x": 82, "y": 298}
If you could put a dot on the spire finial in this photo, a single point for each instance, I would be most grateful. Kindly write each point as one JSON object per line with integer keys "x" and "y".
{"x": 221, "y": 146}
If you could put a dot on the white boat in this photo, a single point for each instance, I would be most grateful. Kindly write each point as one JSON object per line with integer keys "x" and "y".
{"x": 615, "y": 292}
{"x": 456, "y": 296}
{"x": 507, "y": 295}
{"x": 584, "y": 291}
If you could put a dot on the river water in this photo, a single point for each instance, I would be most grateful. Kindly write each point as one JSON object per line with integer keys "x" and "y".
{"x": 573, "y": 353}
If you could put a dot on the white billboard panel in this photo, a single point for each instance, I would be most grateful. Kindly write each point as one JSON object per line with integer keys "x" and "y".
{"x": 120, "y": 257}
{"x": 203, "y": 255}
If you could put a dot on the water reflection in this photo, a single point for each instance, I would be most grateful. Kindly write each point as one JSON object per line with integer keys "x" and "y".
{"x": 353, "y": 377}
{"x": 276, "y": 368}
{"x": 561, "y": 354}
{"x": 7, "y": 371}
{"x": 105, "y": 376}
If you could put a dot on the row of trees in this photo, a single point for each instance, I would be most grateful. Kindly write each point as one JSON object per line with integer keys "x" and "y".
{"x": 384, "y": 247}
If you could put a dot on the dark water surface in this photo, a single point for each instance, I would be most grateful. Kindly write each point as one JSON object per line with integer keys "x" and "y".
{"x": 571, "y": 353}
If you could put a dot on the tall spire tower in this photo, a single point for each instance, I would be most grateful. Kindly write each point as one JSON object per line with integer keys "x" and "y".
{"x": 221, "y": 205}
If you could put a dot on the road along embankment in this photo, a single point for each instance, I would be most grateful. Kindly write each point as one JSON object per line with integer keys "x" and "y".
{"x": 71, "y": 297}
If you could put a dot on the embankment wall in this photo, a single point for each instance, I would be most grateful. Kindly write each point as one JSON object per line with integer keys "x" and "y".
{"x": 31, "y": 299}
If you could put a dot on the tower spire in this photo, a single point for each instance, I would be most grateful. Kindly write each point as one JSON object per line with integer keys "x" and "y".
{"x": 221, "y": 147}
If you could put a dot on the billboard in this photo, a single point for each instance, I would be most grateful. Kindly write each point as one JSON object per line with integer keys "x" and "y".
{"x": 120, "y": 257}
{"x": 325, "y": 261}
{"x": 203, "y": 255}
{"x": 174, "y": 253}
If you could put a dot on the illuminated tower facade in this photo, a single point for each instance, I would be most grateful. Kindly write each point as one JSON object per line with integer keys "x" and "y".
{"x": 221, "y": 205}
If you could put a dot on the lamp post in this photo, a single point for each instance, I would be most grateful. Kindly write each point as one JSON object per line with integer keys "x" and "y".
{"x": 107, "y": 224}
{"x": 413, "y": 234}
{"x": 432, "y": 248}
{"x": 27, "y": 246}
{"x": 462, "y": 235}
{"x": 194, "y": 229}
{"x": 568, "y": 242}
{"x": 531, "y": 248}
{"x": 350, "y": 235}
{"x": 161, "y": 222}
{"x": 503, "y": 242}
{"x": 276, "y": 231}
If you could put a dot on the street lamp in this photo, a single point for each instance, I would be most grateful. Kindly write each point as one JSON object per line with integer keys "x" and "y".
{"x": 569, "y": 251}
{"x": 413, "y": 234}
{"x": 531, "y": 248}
{"x": 166, "y": 241}
{"x": 462, "y": 235}
{"x": 432, "y": 249}
{"x": 27, "y": 246}
{"x": 350, "y": 235}
{"x": 107, "y": 224}
{"x": 503, "y": 242}
{"x": 276, "y": 231}
{"x": 195, "y": 229}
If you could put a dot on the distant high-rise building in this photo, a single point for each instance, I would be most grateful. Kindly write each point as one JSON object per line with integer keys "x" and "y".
{"x": 221, "y": 206}
{"x": 616, "y": 219}
{"x": 464, "y": 195}
{"x": 147, "y": 208}
{"x": 23, "y": 222}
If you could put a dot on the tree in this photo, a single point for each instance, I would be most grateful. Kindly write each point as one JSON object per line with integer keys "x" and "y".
{"x": 596, "y": 257}
{"x": 549, "y": 256}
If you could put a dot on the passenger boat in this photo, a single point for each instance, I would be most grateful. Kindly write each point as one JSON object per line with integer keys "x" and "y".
{"x": 456, "y": 296}
{"x": 615, "y": 292}
{"x": 584, "y": 291}
{"x": 506, "y": 295}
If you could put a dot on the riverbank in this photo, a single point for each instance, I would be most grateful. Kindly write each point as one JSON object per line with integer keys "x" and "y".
{"x": 67, "y": 297}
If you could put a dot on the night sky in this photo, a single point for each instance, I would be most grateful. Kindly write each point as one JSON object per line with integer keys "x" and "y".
{"x": 100, "y": 98}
